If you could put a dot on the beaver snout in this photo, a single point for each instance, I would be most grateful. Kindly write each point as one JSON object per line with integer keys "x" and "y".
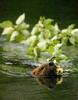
{"x": 59, "y": 70}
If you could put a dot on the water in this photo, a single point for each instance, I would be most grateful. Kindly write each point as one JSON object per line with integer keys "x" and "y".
{"x": 17, "y": 84}
{"x": 28, "y": 88}
{"x": 15, "y": 81}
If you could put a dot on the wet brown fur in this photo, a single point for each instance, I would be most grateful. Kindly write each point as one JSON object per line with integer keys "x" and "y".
{"x": 44, "y": 70}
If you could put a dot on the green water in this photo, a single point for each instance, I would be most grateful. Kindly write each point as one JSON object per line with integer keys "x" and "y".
{"x": 24, "y": 87}
{"x": 28, "y": 89}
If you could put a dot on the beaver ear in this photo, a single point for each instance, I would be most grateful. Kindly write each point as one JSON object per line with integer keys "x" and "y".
{"x": 51, "y": 63}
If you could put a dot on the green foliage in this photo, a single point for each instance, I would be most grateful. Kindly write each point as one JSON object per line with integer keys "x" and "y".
{"x": 15, "y": 32}
{"x": 44, "y": 37}
{"x": 5, "y": 24}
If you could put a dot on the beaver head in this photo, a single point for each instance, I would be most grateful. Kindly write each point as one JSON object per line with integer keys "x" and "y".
{"x": 47, "y": 70}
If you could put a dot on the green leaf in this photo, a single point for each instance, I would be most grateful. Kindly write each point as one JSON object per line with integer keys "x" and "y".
{"x": 20, "y": 19}
{"x": 72, "y": 40}
{"x": 6, "y": 24}
{"x": 13, "y": 36}
{"x": 48, "y": 21}
{"x": 22, "y": 26}
{"x": 70, "y": 27}
{"x": 36, "y": 52}
{"x": 50, "y": 49}
{"x": 35, "y": 31}
{"x": 76, "y": 39}
{"x": 57, "y": 49}
{"x": 75, "y": 32}
{"x": 42, "y": 45}
{"x": 65, "y": 40}
{"x": 48, "y": 24}
{"x": 61, "y": 58}
{"x": 56, "y": 29}
{"x": 31, "y": 41}
{"x": 54, "y": 40}
{"x": 25, "y": 33}
{"x": 7, "y": 30}
{"x": 58, "y": 46}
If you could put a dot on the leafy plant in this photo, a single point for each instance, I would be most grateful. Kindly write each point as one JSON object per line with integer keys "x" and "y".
{"x": 45, "y": 37}
{"x": 15, "y": 32}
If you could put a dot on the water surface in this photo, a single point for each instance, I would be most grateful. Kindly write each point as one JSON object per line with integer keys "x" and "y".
{"x": 19, "y": 85}
{"x": 28, "y": 89}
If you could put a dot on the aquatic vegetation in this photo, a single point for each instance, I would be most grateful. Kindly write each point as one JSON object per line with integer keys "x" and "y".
{"x": 44, "y": 37}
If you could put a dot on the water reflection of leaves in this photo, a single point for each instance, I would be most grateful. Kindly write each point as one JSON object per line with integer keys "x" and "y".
{"x": 50, "y": 82}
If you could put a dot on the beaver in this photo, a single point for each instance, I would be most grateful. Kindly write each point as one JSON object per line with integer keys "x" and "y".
{"x": 49, "y": 69}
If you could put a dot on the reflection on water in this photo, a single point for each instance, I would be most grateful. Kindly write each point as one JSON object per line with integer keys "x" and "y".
{"x": 50, "y": 82}
{"x": 27, "y": 88}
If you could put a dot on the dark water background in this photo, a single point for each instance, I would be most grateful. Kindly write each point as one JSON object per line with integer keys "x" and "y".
{"x": 64, "y": 12}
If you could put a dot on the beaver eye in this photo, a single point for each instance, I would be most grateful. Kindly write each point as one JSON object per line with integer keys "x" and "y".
{"x": 33, "y": 73}
{"x": 41, "y": 68}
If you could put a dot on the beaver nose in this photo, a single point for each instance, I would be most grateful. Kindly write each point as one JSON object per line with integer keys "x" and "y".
{"x": 59, "y": 71}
